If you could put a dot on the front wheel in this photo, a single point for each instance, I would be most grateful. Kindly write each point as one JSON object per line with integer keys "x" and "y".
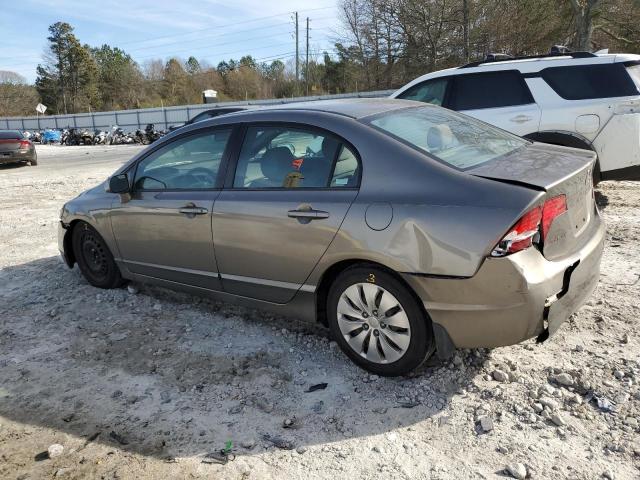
{"x": 94, "y": 258}
{"x": 377, "y": 322}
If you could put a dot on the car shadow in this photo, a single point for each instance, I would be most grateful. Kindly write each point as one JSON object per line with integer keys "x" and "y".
{"x": 601, "y": 199}
{"x": 12, "y": 166}
{"x": 168, "y": 375}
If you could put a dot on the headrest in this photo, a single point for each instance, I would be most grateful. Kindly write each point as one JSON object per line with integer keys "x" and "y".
{"x": 439, "y": 137}
{"x": 276, "y": 163}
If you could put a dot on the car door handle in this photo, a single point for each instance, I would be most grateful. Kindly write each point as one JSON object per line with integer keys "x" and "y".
{"x": 191, "y": 209}
{"x": 521, "y": 119}
{"x": 309, "y": 214}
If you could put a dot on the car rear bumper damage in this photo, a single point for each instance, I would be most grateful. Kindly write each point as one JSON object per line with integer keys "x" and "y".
{"x": 511, "y": 299}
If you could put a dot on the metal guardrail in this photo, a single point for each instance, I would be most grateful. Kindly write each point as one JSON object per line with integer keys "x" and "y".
{"x": 163, "y": 118}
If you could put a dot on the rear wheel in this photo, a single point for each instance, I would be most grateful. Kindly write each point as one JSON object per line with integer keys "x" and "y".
{"x": 94, "y": 258}
{"x": 377, "y": 322}
{"x": 33, "y": 162}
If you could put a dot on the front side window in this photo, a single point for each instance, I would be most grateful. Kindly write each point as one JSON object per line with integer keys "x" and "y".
{"x": 489, "y": 90}
{"x": 456, "y": 140}
{"x": 188, "y": 163}
{"x": 590, "y": 81}
{"x": 431, "y": 91}
{"x": 284, "y": 157}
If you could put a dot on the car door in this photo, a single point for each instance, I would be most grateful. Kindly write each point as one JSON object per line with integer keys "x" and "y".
{"x": 290, "y": 190}
{"x": 163, "y": 227}
{"x": 501, "y": 98}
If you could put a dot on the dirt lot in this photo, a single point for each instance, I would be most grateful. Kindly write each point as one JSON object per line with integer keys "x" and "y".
{"x": 144, "y": 383}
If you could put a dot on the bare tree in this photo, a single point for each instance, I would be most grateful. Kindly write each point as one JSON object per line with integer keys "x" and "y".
{"x": 584, "y": 13}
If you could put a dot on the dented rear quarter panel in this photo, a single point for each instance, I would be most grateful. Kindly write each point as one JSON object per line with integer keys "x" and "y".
{"x": 444, "y": 222}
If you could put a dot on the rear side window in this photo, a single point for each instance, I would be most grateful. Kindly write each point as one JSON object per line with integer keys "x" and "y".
{"x": 286, "y": 157}
{"x": 431, "y": 91}
{"x": 590, "y": 81}
{"x": 489, "y": 90}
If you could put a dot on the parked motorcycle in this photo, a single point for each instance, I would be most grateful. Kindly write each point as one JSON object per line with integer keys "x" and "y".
{"x": 151, "y": 133}
{"x": 117, "y": 136}
{"x": 71, "y": 136}
{"x": 86, "y": 137}
{"x": 34, "y": 136}
{"x": 100, "y": 137}
{"x": 148, "y": 135}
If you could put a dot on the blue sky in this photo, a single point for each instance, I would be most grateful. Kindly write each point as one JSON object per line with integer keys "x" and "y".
{"x": 210, "y": 30}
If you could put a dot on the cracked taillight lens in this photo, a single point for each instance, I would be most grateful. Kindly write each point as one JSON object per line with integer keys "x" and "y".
{"x": 536, "y": 221}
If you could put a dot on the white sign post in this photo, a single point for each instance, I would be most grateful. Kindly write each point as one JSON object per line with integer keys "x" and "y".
{"x": 40, "y": 108}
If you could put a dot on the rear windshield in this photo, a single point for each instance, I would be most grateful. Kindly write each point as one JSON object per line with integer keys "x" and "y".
{"x": 454, "y": 139}
{"x": 9, "y": 134}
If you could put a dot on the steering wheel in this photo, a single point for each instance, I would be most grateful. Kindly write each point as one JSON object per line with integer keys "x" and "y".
{"x": 203, "y": 172}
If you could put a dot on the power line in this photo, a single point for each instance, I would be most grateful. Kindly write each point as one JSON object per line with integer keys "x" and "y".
{"x": 182, "y": 35}
{"x": 192, "y": 49}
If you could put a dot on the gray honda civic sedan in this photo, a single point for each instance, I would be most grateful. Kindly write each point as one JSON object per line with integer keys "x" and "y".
{"x": 406, "y": 228}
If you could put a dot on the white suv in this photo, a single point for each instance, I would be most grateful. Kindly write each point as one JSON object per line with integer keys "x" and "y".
{"x": 576, "y": 99}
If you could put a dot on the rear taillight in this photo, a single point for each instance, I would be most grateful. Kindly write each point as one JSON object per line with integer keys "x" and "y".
{"x": 532, "y": 227}
{"x": 551, "y": 209}
{"x": 24, "y": 144}
{"x": 521, "y": 234}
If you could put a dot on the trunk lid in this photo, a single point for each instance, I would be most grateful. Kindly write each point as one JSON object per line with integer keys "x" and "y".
{"x": 9, "y": 145}
{"x": 557, "y": 171}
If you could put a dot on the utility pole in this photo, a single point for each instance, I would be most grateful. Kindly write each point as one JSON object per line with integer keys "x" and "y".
{"x": 306, "y": 64}
{"x": 297, "y": 58}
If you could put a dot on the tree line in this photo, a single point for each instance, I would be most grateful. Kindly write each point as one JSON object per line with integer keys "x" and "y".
{"x": 389, "y": 42}
{"x": 381, "y": 44}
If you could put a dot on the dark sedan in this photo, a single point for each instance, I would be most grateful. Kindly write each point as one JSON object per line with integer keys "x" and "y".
{"x": 14, "y": 148}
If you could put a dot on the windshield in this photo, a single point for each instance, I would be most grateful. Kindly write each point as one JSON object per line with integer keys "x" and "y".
{"x": 454, "y": 139}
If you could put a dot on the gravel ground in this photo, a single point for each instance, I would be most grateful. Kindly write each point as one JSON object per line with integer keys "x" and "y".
{"x": 145, "y": 383}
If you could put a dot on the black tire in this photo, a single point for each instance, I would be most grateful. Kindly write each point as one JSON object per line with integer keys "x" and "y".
{"x": 421, "y": 343}
{"x": 94, "y": 258}
{"x": 33, "y": 162}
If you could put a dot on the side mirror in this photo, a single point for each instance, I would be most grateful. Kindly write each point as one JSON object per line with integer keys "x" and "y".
{"x": 119, "y": 183}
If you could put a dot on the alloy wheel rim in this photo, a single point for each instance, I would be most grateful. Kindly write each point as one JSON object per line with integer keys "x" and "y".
{"x": 373, "y": 323}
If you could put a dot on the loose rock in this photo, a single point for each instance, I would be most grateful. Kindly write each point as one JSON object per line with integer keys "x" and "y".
{"x": 500, "y": 376}
{"x": 55, "y": 450}
{"x": 517, "y": 470}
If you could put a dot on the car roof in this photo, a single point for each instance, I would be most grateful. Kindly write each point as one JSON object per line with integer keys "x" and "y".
{"x": 224, "y": 109}
{"x": 525, "y": 65}
{"x": 356, "y": 108}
